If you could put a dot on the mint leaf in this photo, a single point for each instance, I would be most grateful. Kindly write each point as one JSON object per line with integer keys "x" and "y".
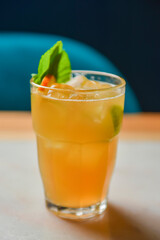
{"x": 117, "y": 115}
{"x": 61, "y": 68}
{"x": 54, "y": 62}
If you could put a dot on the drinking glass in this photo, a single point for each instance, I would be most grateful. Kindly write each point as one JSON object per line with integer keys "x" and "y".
{"x": 77, "y": 135}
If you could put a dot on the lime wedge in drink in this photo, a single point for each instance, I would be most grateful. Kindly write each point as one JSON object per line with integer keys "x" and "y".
{"x": 117, "y": 114}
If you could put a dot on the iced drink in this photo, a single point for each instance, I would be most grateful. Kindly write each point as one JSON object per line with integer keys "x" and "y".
{"x": 77, "y": 126}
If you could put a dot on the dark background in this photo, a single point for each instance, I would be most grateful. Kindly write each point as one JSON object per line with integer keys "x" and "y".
{"x": 126, "y": 31}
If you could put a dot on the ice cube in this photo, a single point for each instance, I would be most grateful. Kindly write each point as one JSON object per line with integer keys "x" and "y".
{"x": 94, "y": 85}
{"x": 57, "y": 90}
{"x": 90, "y": 85}
{"x": 81, "y": 82}
{"x": 77, "y": 81}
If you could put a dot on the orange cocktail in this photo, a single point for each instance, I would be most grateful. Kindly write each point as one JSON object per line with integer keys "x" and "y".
{"x": 77, "y": 133}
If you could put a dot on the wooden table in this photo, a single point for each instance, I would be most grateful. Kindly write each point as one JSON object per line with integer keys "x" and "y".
{"x": 146, "y": 126}
{"x": 134, "y": 200}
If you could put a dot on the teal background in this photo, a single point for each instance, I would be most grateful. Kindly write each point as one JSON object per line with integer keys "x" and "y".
{"x": 23, "y": 51}
{"x": 125, "y": 32}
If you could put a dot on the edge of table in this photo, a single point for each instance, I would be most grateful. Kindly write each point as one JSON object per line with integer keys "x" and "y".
{"x": 142, "y": 126}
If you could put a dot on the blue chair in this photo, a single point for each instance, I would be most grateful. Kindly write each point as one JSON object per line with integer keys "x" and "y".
{"x": 19, "y": 57}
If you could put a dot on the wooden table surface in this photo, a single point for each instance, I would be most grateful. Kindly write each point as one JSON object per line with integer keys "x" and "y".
{"x": 133, "y": 211}
{"x": 144, "y": 126}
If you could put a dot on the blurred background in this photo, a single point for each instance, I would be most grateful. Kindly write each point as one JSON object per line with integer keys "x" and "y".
{"x": 118, "y": 36}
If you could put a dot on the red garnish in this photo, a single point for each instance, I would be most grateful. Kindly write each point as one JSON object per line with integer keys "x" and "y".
{"x": 47, "y": 81}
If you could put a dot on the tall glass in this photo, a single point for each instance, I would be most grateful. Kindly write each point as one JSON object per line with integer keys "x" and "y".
{"x": 77, "y": 135}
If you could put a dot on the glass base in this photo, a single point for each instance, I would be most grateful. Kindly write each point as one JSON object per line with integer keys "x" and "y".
{"x": 77, "y": 213}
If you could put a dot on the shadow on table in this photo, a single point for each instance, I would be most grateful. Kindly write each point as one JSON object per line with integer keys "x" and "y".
{"x": 115, "y": 224}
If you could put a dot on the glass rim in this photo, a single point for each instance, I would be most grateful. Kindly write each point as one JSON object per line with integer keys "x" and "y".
{"x": 121, "y": 85}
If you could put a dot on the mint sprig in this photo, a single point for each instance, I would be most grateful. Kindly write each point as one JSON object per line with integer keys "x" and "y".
{"x": 54, "y": 62}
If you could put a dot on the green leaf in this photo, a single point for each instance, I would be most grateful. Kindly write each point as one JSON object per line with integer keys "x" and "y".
{"x": 117, "y": 115}
{"x": 64, "y": 68}
{"x": 54, "y": 62}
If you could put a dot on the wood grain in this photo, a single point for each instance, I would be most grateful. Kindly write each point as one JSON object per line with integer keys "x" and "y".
{"x": 144, "y": 126}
